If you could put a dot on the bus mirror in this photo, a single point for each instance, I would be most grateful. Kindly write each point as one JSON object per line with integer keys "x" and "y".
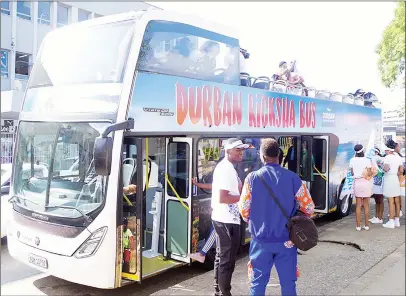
{"x": 102, "y": 153}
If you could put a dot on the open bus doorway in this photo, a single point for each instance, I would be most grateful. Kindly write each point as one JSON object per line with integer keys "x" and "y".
{"x": 143, "y": 249}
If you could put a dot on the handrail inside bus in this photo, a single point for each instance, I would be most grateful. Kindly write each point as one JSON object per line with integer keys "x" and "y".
{"x": 146, "y": 163}
{"x": 176, "y": 194}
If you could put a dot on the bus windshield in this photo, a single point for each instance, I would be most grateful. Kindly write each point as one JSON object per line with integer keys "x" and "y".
{"x": 96, "y": 54}
{"x": 54, "y": 168}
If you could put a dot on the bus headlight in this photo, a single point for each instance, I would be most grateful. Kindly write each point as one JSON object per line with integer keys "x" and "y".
{"x": 90, "y": 246}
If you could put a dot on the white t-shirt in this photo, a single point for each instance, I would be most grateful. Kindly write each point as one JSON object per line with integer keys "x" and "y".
{"x": 358, "y": 165}
{"x": 225, "y": 178}
{"x": 394, "y": 162}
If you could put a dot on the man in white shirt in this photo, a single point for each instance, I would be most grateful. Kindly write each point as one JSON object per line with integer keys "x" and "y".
{"x": 226, "y": 190}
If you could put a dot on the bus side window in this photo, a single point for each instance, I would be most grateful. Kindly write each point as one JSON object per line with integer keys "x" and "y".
{"x": 319, "y": 154}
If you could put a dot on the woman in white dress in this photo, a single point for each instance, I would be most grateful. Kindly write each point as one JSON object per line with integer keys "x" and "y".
{"x": 393, "y": 168}
{"x": 362, "y": 170}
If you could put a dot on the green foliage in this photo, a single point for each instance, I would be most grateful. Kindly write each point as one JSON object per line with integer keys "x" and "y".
{"x": 391, "y": 50}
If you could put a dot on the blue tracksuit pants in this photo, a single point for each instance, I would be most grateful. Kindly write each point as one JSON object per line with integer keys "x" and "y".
{"x": 262, "y": 258}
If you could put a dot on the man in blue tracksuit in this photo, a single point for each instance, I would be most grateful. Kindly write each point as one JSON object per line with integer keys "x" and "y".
{"x": 270, "y": 242}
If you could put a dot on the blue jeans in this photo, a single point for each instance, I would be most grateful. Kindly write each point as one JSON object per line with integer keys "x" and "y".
{"x": 262, "y": 258}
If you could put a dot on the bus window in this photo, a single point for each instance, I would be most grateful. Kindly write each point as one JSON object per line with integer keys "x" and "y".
{"x": 178, "y": 168}
{"x": 319, "y": 154}
{"x": 289, "y": 148}
{"x": 183, "y": 50}
{"x": 209, "y": 154}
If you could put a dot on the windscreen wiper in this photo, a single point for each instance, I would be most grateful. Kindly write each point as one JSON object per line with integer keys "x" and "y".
{"x": 87, "y": 218}
{"x": 14, "y": 197}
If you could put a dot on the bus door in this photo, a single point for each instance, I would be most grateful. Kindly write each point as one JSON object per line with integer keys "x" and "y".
{"x": 129, "y": 237}
{"x": 320, "y": 183}
{"x": 178, "y": 199}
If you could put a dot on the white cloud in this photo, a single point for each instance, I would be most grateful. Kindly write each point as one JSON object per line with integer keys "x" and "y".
{"x": 334, "y": 43}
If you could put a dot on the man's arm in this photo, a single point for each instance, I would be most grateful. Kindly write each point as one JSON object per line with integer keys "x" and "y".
{"x": 305, "y": 201}
{"x": 227, "y": 198}
{"x": 244, "y": 205}
{"x": 228, "y": 183}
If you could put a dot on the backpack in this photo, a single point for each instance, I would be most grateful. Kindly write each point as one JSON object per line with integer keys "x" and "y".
{"x": 302, "y": 230}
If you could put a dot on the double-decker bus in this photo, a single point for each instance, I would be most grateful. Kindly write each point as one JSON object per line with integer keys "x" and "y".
{"x": 146, "y": 99}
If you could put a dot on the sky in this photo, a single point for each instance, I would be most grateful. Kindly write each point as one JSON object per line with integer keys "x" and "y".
{"x": 333, "y": 43}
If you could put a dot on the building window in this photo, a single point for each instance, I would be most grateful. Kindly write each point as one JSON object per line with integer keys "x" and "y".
{"x": 24, "y": 10}
{"x": 44, "y": 12}
{"x": 4, "y": 63}
{"x": 83, "y": 15}
{"x": 5, "y": 7}
{"x": 22, "y": 65}
{"x": 63, "y": 15}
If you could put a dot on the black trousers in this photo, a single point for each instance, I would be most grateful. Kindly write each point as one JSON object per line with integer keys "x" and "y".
{"x": 228, "y": 239}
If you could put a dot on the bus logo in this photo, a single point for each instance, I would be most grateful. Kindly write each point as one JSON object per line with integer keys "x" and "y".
{"x": 40, "y": 217}
{"x": 328, "y": 118}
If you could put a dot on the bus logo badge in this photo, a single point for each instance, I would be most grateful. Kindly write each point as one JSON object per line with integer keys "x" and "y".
{"x": 328, "y": 118}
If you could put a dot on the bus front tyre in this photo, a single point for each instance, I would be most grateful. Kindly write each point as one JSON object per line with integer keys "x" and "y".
{"x": 344, "y": 206}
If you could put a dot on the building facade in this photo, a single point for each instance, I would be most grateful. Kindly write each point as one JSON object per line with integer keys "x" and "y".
{"x": 394, "y": 124}
{"x": 24, "y": 25}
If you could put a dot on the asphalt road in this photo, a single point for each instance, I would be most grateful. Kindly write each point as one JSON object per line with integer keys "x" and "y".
{"x": 12, "y": 270}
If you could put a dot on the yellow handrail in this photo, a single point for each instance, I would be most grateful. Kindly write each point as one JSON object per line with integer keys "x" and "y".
{"x": 127, "y": 199}
{"x": 176, "y": 194}
{"x": 146, "y": 163}
{"x": 321, "y": 175}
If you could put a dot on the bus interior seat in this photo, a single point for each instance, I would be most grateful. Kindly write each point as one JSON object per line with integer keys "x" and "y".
{"x": 245, "y": 79}
{"x": 128, "y": 170}
{"x": 262, "y": 82}
{"x": 336, "y": 97}
{"x": 279, "y": 86}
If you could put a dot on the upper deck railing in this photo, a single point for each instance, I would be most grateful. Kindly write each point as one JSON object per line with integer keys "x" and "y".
{"x": 283, "y": 86}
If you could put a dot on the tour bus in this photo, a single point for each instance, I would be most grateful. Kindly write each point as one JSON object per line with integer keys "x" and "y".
{"x": 146, "y": 98}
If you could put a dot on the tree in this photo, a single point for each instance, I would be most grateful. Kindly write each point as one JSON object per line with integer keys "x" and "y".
{"x": 391, "y": 50}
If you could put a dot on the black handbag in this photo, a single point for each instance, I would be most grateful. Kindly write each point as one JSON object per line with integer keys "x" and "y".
{"x": 302, "y": 230}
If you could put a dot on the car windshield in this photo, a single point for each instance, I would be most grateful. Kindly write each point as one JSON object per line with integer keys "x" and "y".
{"x": 96, "y": 54}
{"x": 54, "y": 168}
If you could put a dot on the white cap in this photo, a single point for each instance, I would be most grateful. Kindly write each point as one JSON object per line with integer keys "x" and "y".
{"x": 235, "y": 143}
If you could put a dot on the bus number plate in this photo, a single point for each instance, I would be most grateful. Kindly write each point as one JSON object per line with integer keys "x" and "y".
{"x": 37, "y": 260}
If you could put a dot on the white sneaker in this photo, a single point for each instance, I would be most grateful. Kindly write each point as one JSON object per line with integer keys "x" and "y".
{"x": 358, "y": 228}
{"x": 377, "y": 221}
{"x": 365, "y": 227}
{"x": 372, "y": 220}
{"x": 390, "y": 224}
{"x": 397, "y": 222}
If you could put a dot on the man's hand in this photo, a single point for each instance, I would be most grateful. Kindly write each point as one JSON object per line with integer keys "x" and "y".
{"x": 130, "y": 189}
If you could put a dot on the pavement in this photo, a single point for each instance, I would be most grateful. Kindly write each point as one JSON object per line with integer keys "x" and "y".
{"x": 345, "y": 262}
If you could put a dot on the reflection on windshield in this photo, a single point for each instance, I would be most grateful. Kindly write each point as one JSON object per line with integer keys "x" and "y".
{"x": 54, "y": 168}
{"x": 90, "y": 55}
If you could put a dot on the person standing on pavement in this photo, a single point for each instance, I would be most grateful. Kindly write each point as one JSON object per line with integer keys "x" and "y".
{"x": 361, "y": 169}
{"x": 226, "y": 189}
{"x": 377, "y": 189}
{"x": 270, "y": 242}
{"x": 397, "y": 152}
{"x": 393, "y": 168}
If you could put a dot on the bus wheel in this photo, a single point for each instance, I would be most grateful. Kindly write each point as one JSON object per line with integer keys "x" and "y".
{"x": 209, "y": 261}
{"x": 344, "y": 205}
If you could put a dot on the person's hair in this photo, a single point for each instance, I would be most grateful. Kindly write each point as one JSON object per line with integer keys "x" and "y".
{"x": 270, "y": 148}
{"x": 357, "y": 148}
{"x": 391, "y": 144}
